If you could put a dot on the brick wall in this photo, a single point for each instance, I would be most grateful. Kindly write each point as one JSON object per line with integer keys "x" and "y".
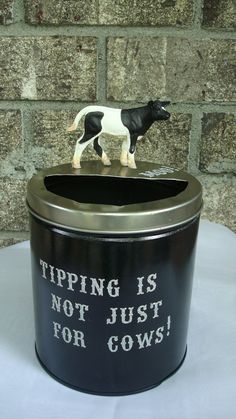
{"x": 57, "y": 57}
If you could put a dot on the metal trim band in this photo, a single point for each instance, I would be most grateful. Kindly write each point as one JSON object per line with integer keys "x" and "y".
{"x": 145, "y": 217}
{"x": 103, "y": 232}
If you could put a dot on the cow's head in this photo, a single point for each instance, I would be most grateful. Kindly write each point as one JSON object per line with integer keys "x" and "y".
{"x": 158, "y": 110}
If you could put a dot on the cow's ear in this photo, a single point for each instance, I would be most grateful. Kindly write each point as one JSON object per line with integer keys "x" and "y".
{"x": 166, "y": 103}
{"x": 150, "y": 103}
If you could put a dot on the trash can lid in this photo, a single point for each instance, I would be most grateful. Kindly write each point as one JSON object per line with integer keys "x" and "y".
{"x": 114, "y": 199}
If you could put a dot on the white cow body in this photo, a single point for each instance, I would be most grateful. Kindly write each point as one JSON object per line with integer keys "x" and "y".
{"x": 111, "y": 124}
{"x": 111, "y": 121}
{"x": 130, "y": 123}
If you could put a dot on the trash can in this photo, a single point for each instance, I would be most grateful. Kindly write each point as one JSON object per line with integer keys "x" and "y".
{"x": 112, "y": 266}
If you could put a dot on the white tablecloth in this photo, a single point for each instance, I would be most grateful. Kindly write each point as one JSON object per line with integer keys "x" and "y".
{"x": 203, "y": 388}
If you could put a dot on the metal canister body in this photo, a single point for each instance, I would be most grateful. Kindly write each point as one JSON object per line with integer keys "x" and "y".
{"x": 111, "y": 308}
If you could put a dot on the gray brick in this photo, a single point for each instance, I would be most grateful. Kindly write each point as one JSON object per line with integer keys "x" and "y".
{"x": 108, "y": 12}
{"x": 219, "y": 14}
{"x": 167, "y": 142}
{"x": 136, "y": 68}
{"x": 6, "y": 12}
{"x": 10, "y": 133}
{"x": 13, "y": 212}
{"x": 51, "y": 68}
{"x": 201, "y": 70}
{"x": 146, "y": 12}
{"x": 56, "y": 12}
{"x": 218, "y": 145}
{"x": 11, "y": 144}
{"x": 51, "y": 144}
{"x": 180, "y": 69}
{"x": 219, "y": 195}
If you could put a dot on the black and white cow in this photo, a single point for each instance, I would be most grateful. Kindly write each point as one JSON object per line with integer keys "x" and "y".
{"x": 131, "y": 123}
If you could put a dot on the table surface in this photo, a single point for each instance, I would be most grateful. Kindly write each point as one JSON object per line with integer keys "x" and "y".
{"x": 205, "y": 385}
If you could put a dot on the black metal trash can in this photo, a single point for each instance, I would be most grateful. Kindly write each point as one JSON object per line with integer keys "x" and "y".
{"x": 112, "y": 265}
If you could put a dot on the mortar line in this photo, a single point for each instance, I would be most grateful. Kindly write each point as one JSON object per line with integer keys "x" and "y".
{"x": 27, "y": 105}
{"x": 18, "y": 12}
{"x": 193, "y": 32}
{"x": 27, "y": 127}
{"x": 101, "y": 69}
{"x": 198, "y": 14}
{"x": 194, "y": 143}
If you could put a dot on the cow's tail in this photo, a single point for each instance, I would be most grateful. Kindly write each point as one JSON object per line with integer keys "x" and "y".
{"x": 77, "y": 119}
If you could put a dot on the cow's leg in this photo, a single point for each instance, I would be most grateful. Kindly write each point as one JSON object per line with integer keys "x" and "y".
{"x": 81, "y": 144}
{"x": 124, "y": 152}
{"x": 101, "y": 153}
{"x": 132, "y": 148}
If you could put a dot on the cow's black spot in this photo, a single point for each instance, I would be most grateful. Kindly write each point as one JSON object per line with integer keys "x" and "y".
{"x": 92, "y": 122}
{"x": 92, "y": 126}
{"x": 137, "y": 120}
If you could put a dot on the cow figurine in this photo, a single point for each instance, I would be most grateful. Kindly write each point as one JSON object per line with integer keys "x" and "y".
{"x": 131, "y": 123}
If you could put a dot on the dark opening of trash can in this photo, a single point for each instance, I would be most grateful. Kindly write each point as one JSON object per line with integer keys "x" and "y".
{"x": 113, "y": 190}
